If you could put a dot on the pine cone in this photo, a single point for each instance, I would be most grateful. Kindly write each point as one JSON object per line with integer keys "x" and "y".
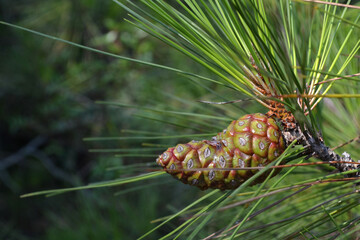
{"x": 251, "y": 141}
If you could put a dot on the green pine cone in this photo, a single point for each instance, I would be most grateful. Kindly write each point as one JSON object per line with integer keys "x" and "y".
{"x": 251, "y": 141}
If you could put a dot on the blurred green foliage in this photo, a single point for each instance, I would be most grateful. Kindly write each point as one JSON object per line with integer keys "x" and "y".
{"x": 47, "y": 94}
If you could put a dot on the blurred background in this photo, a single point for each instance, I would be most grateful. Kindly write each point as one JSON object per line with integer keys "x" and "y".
{"x": 47, "y": 106}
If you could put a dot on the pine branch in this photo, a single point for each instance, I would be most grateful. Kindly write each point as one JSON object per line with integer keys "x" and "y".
{"x": 316, "y": 147}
